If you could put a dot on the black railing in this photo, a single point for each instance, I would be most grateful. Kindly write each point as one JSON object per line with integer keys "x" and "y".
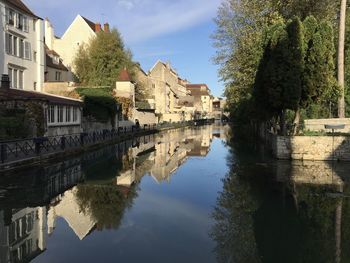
{"x": 17, "y": 150}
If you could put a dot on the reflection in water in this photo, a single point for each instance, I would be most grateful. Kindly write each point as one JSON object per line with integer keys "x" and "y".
{"x": 282, "y": 211}
{"x": 91, "y": 192}
{"x": 265, "y": 211}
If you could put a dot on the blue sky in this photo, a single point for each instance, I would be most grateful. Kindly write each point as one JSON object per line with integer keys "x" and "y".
{"x": 171, "y": 30}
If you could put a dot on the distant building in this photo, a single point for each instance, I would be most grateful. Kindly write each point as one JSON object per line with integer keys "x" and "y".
{"x": 219, "y": 105}
{"x": 80, "y": 32}
{"x": 138, "y": 112}
{"x": 203, "y": 100}
{"x": 55, "y": 70}
{"x": 170, "y": 94}
{"x": 21, "y": 45}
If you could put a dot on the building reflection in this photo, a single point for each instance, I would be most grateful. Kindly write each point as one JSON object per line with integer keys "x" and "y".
{"x": 91, "y": 193}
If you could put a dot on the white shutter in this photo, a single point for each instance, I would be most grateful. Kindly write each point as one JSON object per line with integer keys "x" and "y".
{"x": 27, "y": 50}
{"x": 7, "y": 15}
{"x": 7, "y": 43}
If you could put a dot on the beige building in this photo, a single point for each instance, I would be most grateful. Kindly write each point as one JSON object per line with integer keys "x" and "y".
{"x": 139, "y": 113}
{"x": 172, "y": 100}
{"x": 203, "y": 100}
{"x": 55, "y": 70}
{"x": 80, "y": 32}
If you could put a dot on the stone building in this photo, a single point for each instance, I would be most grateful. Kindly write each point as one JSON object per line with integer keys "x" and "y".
{"x": 46, "y": 114}
{"x": 172, "y": 100}
{"x": 21, "y": 45}
{"x": 55, "y": 70}
{"x": 203, "y": 100}
{"x": 137, "y": 112}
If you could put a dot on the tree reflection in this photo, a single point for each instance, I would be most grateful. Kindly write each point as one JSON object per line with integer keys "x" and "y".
{"x": 233, "y": 230}
{"x": 261, "y": 218}
{"x": 106, "y": 203}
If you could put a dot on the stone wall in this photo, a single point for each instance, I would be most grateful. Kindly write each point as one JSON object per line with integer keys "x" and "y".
{"x": 58, "y": 88}
{"x": 145, "y": 117}
{"x": 89, "y": 125}
{"x": 63, "y": 130}
{"x": 319, "y": 124}
{"x": 316, "y": 148}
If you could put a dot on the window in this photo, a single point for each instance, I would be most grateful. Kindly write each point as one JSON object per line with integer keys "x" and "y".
{"x": 15, "y": 74}
{"x": 25, "y": 24}
{"x": 21, "y": 48}
{"x": 60, "y": 114}
{"x": 34, "y": 56}
{"x": 19, "y": 21}
{"x": 15, "y": 46}
{"x": 34, "y": 85}
{"x": 9, "y": 44}
{"x": 27, "y": 50}
{"x": 58, "y": 76}
{"x": 20, "y": 79}
{"x": 68, "y": 114}
{"x": 10, "y": 72}
{"x": 75, "y": 114}
{"x": 51, "y": 114}
{"x": 10, "y": 17}
{"x": 34, "y": 23}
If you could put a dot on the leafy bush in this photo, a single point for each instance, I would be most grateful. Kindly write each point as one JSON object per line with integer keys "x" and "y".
{"x": 99, "y": 103}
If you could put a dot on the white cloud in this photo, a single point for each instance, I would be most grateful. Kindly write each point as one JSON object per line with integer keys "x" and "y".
{"x": 138, "y": 20}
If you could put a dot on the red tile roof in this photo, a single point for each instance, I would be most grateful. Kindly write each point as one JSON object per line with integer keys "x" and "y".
{"x": 24, "y": 95}
{"x": 90, "y": 23}
{"x": 18, "y": 4}
{"x": 124, "y": 75}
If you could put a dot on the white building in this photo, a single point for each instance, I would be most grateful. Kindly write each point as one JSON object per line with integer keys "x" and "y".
{"x": 21, "y": 45}
{"x": 80, "y": 32}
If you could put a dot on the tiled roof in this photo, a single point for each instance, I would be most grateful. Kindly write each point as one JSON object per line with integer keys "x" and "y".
{"x": 51, "y": 64}
{"x": 18, "y": 4}
{"x": 16, "y": 94}
{"x": 49, "y": 60}
{"x": 124, "y": 75}
{"x": 90, "y": 23}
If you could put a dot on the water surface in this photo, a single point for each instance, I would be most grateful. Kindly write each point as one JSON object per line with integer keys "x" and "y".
{"x": 188, "y": 195}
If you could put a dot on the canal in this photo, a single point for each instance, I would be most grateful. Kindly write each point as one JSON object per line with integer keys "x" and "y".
{"x": 186, "y": 195}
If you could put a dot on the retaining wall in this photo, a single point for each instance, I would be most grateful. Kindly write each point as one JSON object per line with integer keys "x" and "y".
{"x": 315, "y": 148}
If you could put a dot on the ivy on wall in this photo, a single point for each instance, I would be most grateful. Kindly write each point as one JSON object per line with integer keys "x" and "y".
{"x": 35, "y": 113}
{"x": 99, "y": 103}
{"x": 13, "y": 124}
{"x": 126, "y": 105}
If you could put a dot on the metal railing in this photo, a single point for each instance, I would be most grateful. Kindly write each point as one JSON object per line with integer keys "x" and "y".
{"x": 17, "y": 150}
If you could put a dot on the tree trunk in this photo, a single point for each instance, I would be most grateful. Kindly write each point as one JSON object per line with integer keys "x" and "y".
{"x": 341, "y": 51}
{"x": 296, "y": 121}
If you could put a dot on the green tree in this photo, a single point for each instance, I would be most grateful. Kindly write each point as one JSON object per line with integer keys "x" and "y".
{"x": 319, "y": 83}
{"x": 239, "y": 38}
{"x": 99, "y": 62}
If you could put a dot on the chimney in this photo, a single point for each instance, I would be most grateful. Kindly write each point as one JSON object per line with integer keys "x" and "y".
{"x": 98, "y": 27}
{"x": 5, "y": 81}
{"x": 106, "y": 27}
